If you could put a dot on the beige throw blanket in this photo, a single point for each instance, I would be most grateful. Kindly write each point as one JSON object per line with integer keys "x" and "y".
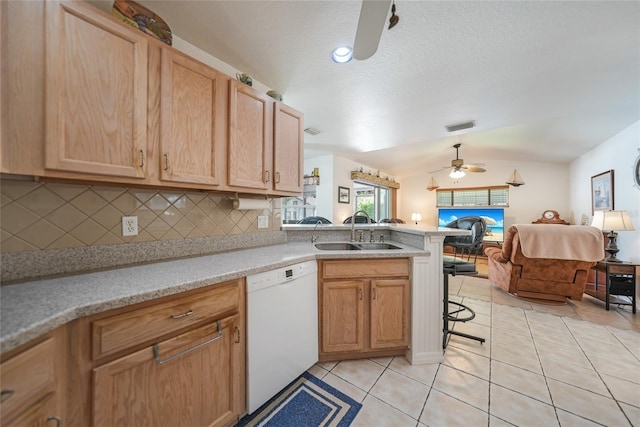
{"x": 574, "y": 242}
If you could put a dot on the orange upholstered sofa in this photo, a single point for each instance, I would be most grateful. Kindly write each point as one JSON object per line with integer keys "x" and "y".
{"x": 545, "y": 261}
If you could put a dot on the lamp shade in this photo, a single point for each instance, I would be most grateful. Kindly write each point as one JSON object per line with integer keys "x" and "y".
{"x": 612, "y": 221}
{"x": 416, "y": 217}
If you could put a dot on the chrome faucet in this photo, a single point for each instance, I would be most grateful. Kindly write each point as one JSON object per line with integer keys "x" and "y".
{"x": 314, "y": 238}
{"x": 353, "y": 223}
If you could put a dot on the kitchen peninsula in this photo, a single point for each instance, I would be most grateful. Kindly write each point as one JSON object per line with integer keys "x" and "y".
{"x": 93, "y": 309}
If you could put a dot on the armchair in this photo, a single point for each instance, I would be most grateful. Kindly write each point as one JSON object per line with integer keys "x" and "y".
{"x": 545, "y": 262}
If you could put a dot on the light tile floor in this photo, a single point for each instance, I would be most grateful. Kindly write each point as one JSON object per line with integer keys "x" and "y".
{"x": 570, "y": 365}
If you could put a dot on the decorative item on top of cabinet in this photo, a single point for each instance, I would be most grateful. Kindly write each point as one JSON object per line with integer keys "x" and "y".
{"x": 193, "y": 121}
{"x": 96, "y": 93}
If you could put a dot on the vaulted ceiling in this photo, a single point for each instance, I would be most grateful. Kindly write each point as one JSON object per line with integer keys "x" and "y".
{"x": 543, "y": 80}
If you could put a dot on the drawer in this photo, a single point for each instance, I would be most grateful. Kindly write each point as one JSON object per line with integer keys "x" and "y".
{"x": 121, "y": 331}
{"x": 387, "y": 267}
{"x": 27, "y": 376}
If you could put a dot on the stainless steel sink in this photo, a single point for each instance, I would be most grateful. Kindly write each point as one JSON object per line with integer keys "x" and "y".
{"x": 337, "y": 246}
{"x": 377, "y": 246}
{"x": 345, "y": 246}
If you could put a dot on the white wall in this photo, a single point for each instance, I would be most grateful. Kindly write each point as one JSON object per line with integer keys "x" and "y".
{"x": 617, "y": 153}
{"x": 546, "y": 187}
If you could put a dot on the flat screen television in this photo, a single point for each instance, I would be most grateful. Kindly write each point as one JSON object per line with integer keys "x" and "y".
{"x": 494, "y": 218}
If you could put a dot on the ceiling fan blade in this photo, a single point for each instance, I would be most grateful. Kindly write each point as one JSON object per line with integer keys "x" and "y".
{"x": 474, "y": 168}
{"x": 373, "y": 17}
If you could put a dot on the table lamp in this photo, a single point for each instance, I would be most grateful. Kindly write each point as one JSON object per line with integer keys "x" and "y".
{"x": 416, "y": 217}
{"x": 612, "y": 221}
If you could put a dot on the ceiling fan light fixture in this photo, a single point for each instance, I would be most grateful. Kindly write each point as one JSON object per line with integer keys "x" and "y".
{"x": 342, "y": 54}
{"x": 456, "y": 173}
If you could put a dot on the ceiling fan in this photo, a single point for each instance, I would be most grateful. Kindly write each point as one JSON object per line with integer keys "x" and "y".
{"x": 373, "y": 15}
{"x": 458, "y": 167}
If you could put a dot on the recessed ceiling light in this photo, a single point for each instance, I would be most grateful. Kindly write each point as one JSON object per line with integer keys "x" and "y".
{"x": 342, "y": 54}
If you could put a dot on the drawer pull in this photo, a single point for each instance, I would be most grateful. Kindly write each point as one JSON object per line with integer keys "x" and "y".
{"x": 166, "y": 162}
{"x": 277, "y": 177}
{"x": 238, "y": 331}
{"x": 6, "y": 394}
{"x": 267, "y": 176}
{"x": 141, "y": 158}
{"x": 180, "y": 316}
{"x": 374, "y": 293}
{"x": 58, "y": 420}
{"x": 156, "y": 348}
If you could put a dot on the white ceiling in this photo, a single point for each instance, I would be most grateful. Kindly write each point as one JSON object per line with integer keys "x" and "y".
{"x": 544, "y": 81}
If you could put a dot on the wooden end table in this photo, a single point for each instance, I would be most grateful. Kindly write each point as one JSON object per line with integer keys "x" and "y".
{"x": 620, "y": 281}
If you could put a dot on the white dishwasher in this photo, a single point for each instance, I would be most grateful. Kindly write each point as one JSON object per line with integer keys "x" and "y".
{"x": 282, "y": 329}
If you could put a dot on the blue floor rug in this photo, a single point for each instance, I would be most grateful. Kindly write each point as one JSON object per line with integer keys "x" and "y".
{"x": 306, "y": 402}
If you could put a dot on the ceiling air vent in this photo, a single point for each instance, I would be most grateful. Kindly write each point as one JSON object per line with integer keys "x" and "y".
{"x": 460, "y": 126}
{"x": 312, "y": 131}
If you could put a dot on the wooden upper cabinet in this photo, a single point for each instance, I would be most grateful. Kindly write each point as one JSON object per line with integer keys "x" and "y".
{"x": 250, "y": 147}
{"x": 96, "y": 93}
{"x": 193, "y": 105}
{"x": 288, "y": 148}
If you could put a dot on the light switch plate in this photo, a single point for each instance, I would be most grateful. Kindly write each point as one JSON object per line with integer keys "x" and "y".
{"x": 263, "y": 221}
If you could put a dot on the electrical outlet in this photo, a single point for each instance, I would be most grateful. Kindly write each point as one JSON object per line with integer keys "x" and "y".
{"x": 263, "y": 221}
{"x": 129, "y": 225}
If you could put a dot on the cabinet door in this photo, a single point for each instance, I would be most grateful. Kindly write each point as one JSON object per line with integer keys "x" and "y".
{"x": 389, "y": 313}
{"x": 250, "y": 137}
{"x": 184, "y": 381}
{"x": 288, "y": 148}
{"x": 96, "y": 93}
{"x": 342, "y": 316}
{"x": 192, "y": 134}
{"x": 40, "y": 414}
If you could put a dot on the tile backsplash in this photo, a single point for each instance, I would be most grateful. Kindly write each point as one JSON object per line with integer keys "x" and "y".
{"x": 41, "y": 216}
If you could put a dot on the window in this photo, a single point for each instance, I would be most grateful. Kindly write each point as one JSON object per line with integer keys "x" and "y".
{"x": 478, "y": 196}
{"x": 375, "y": 200}
{"x": 296, "y": 208}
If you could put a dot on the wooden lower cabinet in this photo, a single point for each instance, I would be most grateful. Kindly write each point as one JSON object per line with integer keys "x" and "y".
{"x": 183, "y": 381}
{"x": 367, "y": 315}
{"x": 185, "y": 367}
{"x": 32, "y": 384}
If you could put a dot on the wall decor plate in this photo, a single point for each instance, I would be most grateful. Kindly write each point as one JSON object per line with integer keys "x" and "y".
{"x": 142, "y": 18}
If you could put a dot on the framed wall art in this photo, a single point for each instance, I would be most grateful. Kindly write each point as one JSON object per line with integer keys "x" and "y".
{"x": 602, "y": 191}
{"x": 343, "y": 195}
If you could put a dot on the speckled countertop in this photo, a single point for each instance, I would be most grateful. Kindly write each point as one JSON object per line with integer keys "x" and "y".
{"x": 30, "y": 309}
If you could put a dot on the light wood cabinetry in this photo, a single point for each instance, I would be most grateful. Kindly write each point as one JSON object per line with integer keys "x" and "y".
{"x": 193, "y": 125}
{"x": 250, "y": 137}
{"x": 183, "y": 381}
{"x": 179, "y": 360}
{"x": 30, "y": 379}
{"x": 88, "y": 98}
{"x": 288, "y": 151}
{"x": 96, "y": 93}
{"x": 364, "y": 308}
